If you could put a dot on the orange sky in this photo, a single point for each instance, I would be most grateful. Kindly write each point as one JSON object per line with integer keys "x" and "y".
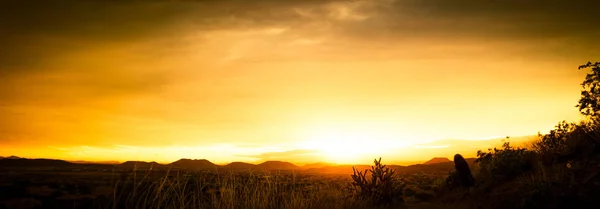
{"x": 304, "y": 81}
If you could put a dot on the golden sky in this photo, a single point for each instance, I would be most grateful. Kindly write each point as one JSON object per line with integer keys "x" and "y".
{"x": 303, "y": 81}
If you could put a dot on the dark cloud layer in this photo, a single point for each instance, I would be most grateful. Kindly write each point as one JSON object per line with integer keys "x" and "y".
{"x": 34, "y": 31}
{"x": 463, "y": 21}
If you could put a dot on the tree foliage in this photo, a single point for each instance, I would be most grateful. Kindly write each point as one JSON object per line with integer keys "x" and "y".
{"x": 589, "y": 103}
{"x": 504, "y": 163}
{"x": 554, "y": 142}
{"x": 568, "y": 140}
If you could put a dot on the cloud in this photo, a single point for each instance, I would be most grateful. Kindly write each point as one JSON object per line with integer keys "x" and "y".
{"x": 38, "y": 31}
{"x": 472, "y": 19}
{"x": 147, "y": 71}
{"x": 35, "y": 32}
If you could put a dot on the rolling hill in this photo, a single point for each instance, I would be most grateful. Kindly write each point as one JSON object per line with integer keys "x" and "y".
{"x": 193, "y": 164}
{"x": 277, "y": 165}
{"x": 239, "y": 165}
{"x": 140, "y": 164}
{"x": 437, "y": 160}
{"x": 316, "y": 165}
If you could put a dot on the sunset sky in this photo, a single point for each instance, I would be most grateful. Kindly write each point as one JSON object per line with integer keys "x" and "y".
{"x": 298, "y": 80}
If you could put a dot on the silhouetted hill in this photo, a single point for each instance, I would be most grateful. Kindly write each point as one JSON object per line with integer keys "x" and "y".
{"x": 22, "y": 162}
{"x": 240, "y": 165}
{"x": 13, "y": 157}
{"x": 140, "y": 164}
{"x": 193, "y": 164}
{"x": 316, "y": 165}
{"x": 277, "y": 165}
{"x": 437, "y": 160}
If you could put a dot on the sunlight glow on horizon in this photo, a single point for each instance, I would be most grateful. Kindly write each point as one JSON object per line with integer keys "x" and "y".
{"x": 328, "y": 147}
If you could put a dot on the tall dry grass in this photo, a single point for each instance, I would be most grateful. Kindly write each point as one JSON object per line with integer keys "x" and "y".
{"x": 268, "y": 189}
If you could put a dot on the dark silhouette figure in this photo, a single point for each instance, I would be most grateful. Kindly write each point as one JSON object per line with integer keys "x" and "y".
{"x": 463, "y": 172}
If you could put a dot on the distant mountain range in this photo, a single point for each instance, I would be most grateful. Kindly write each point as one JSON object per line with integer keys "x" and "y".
{"x": 433, "y": 165}
{"x": 439, "y": 163}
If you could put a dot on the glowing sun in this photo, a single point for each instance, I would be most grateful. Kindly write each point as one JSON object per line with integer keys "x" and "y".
{"x": 349, "y": 146}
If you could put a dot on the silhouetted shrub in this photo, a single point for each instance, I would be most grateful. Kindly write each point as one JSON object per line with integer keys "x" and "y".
{"x": 568, "y": 141}
{"x": 503, "y": 163}
{"x": 583, "y": 141}
{"x": 382, "y": 187}
{"x": 551, "y": 145}
{"x": 463, "y": 172}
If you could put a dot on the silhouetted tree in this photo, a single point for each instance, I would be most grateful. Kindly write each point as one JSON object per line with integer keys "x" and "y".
{"x": 589, "y": 103}
{"x": 463, "y": 172}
